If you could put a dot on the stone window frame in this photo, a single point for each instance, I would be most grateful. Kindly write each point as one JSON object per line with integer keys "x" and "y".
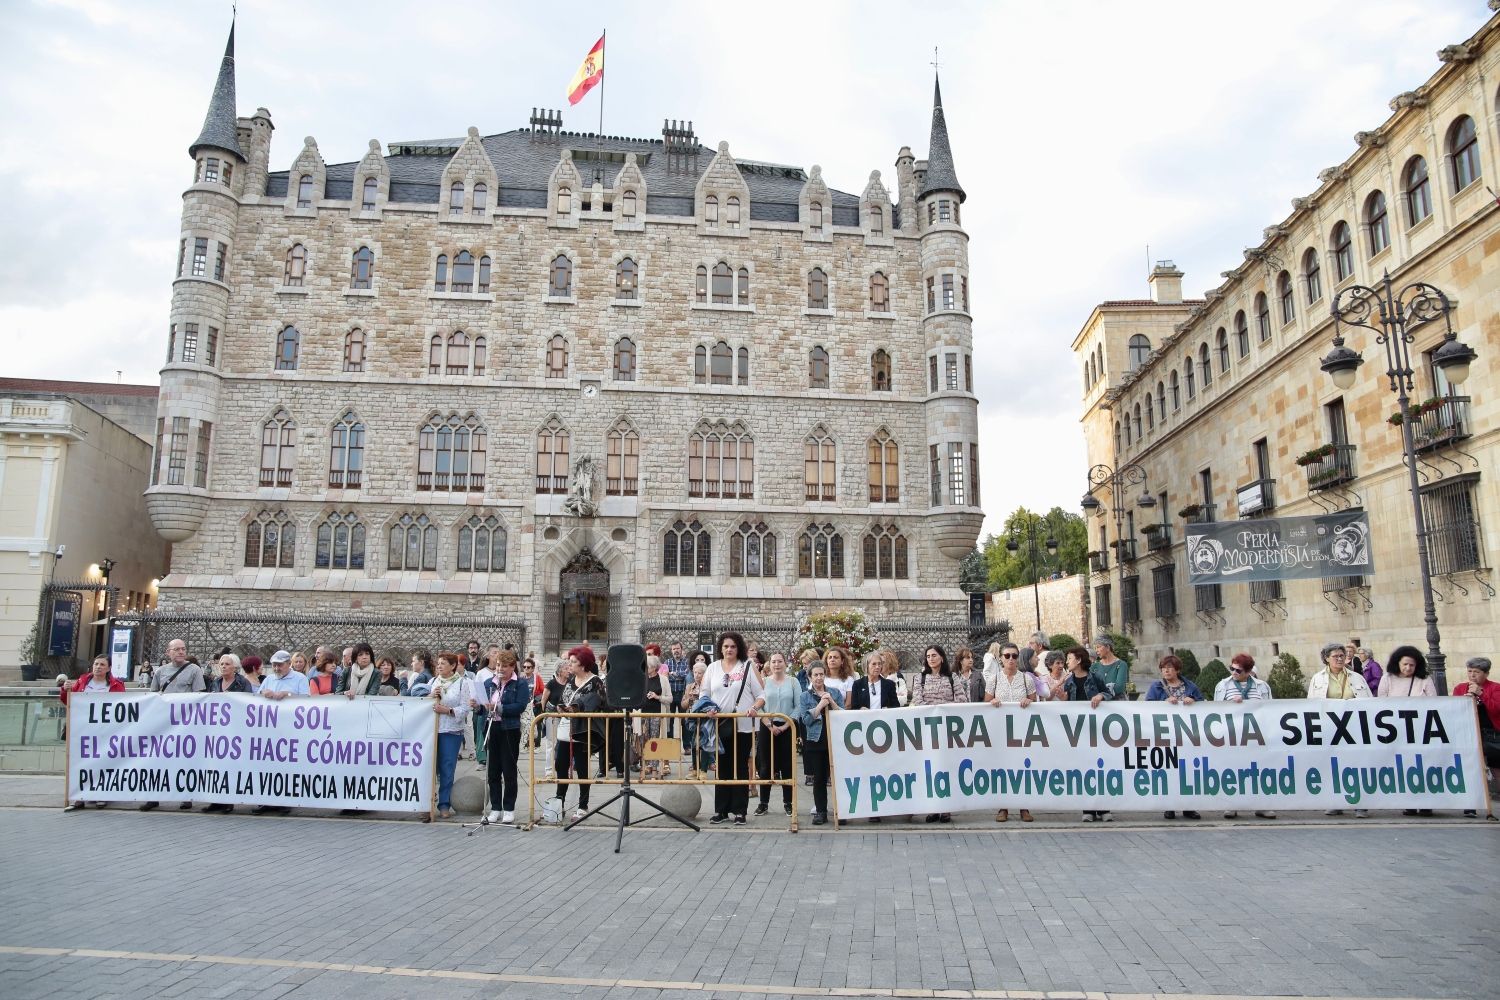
{"x": 295, "y": 273}
{"x": 1312, "y": 275}
{"x": 624, "y": 364}
{"x": 819, "y": 368}
{"x": 883, "y": 466}
{"x": 362, "y": 269}
{"x": 831, "y": 541}
{"x": 288, "y": 349}
{"x": 453, "y": 434}
{"x": 880, "y": 288}
{"x": 885, "y": 553}
{"x": 707, "y": 453}
{"x": 739, "y": 545}
{"x": 820, "y": 466}
{"x": 326, "y": 542}
{"x": 556, "y": 357}
{"x": 278, "y": 449}
{"x": 561, "y": 265}
{"x": 283, "y": 554}
{"x": 1461, "y": 149}
{"x": 412, "y": 526}
{"x": 687, "y": 537}
{"x": 622, "y": 450}
{"x": 819, "y": 282}
{"x": 369, "y": 199}
{"x": 1416, "y": 190}
{"x": 1263, "y": 314}
{"x": 1377, "y": 223}
{"x": 552, "y": 452}
{"x": 458, "y": 353}
{"x": 1341, "y": 249}
{"x": 346, "y": 451}
{"x": 467, "y": 536}
{"x": 704, "y": 357}
{"x": 881, "y": 364}
{"x": 627, "y": 279}
{"x": 356, "y": 349}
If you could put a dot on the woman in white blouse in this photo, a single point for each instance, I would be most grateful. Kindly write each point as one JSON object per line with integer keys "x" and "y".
{"x": 451, "y": 694}
{"x": 1012, "y": 686}
{"x": 734, "y": 685}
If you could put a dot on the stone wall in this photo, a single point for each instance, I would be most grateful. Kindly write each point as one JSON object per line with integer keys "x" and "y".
{"x": 1061, "y": 602}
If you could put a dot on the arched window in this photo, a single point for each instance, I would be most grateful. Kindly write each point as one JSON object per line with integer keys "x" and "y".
{"x": 557, "y": 356}
{"x": 346, "y": 453}
{"x": 711, "y": 209}
{"x": 880, "y": 292}
{"x": 1161, "y": 402}
{"x": 732, "y": 212}
{"x": 463, "y": 272}
{"x": 627, "y": 205}
{"x": 451, "y": 454}
{"x": 1262, "y": 317}
{"x": 815, "y": 214}
{"x": 414, "y": 544}
{"x": 752, "y": 550}
{"x": 270, "y": 541}
{"x": 884, "y": 468}
{"x": 481, "y": 356}
{"x": 1221, "y": 342}
{"x": 721, "y": 462}
{"x": 456, "y": 199}
{"x": 458, "y": 354}
{"x": 817, "y": 368}
{"x": 885, "y": 554}
{"x": 482, "y": 284}
{"x": 627, "y": 279}
{"x": 362, "y": 272}
{"x": 1098, "y": 362}
{"x": 305, "y": 191}
{"x": 877, "y": 219}
{"x": 354, "y": 350}
{"x": 880, "y": 371}
{"x": 721, "y": 365}
{"x": 742, "y": 279}
{"x": 820, "y": 466}
{"x": 1288, "y": 301}
{"x": 340, "y": 543}
{"x": 1205, "y": 370}
{"x": 1463, "y": 152}
{"x": 435, "y": 354}
{"x": 1312, "y": 274}
{"x": 564, "y": 201}
{"x": 561, "y": 285}
{"x": 723, "y": 284}
{"x": 1343, "y": 251}
{"x": 481, "y": 199}
{"x": 700, "y": 365}
{"x": 1136, "y": 416}
{"x": 700, "y": 284}
{"x": 686, "y": 550}
{"x": 1086, "y": 366}
{"x": 622, "y": 471}
{"x": 288, "y": 345}
{"x": 820, "y": 553}
{"x": 1175, "y": 389}
{"x": 1416, "y": 190}
{"x": 552, "y": 466}
{"x": 481, "y": 545}
{"x": 1189, "y": 379}
{"x": 278, "y": 449}
{"x": 296, "y": 266}
{"x": 625, "y": 360}
{"x": 1117, "y": 437}
{"x": 742, "y": 357}
{"x": 1150, "y": 413}
{"x": 1138, "y": 351}
{"x": 367, "y": 201}
{"x": 817, "y": 289}
{"x": 1377, "y": 222}
{"x": 1128, "y": 436}
{"x": 440, "y": 276}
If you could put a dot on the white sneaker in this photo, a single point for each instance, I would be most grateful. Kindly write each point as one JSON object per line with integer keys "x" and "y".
{"x": 1361, "y": 814}
{"x": 579, "y": 814}
{"x": 1088, "y": 817}
{"x": 493, "y": 817}
{"x": 507, "y": 818}
{"x": 1265, "y": 814}
{"x": 1108, "y": 817}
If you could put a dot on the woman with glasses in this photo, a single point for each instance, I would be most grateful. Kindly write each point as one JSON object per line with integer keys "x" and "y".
{"x": 1011, "y": 686}
{"x": 1239, "y": 687}
{"x": 1174, "y": 689}
{"x": 1085, "y": 684}
{"x": 1338, "y": 681}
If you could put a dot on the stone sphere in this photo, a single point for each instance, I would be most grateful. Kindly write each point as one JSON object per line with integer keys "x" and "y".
{"x": 468, "y": 794}
{"x": 684, "y": 800}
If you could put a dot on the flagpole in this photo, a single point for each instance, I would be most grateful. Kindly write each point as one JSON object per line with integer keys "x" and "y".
{"x": 599, "y": 140}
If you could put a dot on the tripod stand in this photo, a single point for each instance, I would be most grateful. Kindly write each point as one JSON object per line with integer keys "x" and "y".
{"x": 624, "y": 797}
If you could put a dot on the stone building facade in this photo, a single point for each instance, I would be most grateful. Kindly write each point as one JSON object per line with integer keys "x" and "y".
{"x": 574, "y": 382}
{"x": 1221, "y": 400}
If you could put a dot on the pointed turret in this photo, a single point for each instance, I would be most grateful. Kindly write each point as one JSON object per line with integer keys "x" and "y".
{"x": 220, "y": 130}
{"x": 940, "y": 173}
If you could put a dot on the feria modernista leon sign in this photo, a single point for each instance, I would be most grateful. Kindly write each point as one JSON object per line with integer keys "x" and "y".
{"x": 1280, "y": 548}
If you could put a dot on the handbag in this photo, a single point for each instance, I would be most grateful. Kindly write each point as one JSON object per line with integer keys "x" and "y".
{"x": 565, "y": 730}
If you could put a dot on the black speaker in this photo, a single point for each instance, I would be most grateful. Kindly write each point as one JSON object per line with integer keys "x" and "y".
{"x": 625, "y": 684}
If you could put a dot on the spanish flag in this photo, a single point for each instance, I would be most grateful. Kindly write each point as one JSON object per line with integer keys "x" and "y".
{"x": 589, "y": 74}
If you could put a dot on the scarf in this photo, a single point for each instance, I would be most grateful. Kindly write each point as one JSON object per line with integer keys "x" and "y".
{"x": 359, "y": 679}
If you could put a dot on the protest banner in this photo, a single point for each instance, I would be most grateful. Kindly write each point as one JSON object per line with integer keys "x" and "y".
{"x": 331, "y": 753}
{"x": 1402, "y": 753}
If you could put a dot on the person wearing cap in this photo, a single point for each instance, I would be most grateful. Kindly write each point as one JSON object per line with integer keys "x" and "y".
{"x": 284, "y": 682}
{"x": 1486, "y": 696}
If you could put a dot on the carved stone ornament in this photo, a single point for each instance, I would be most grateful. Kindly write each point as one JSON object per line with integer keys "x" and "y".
{"x": 1459, "y": 53}
{"x": 1371, "y": 140}
{"x": 1329, "y": 174}
{"x": 1411, "y": 98}
{"x": 1299, "y": 204}
{"x": 580, "y": 500}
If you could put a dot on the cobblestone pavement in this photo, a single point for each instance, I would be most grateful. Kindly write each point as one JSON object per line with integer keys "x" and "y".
{"x": 116, "y": 903}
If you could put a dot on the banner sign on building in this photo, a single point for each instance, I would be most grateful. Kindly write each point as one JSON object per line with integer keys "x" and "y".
{"x": 62, "y": 632}
{"x": 1394, "y": 753}
{"x": 330, "y": 753}
{"x": 1280, "y": 548}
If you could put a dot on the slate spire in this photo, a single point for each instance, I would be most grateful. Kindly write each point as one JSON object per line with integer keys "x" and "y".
{"x": 940, "y": 173}
{"x": 220, "y": 125}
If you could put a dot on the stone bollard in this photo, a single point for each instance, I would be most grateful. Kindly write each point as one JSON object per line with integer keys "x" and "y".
{"x": 684, "y": 800}
{"x": 468, "y": 794}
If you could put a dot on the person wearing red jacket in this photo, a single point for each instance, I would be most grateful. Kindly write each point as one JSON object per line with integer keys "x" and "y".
{"x": 1486, "y": 695}
{"x": 97, "y": 679}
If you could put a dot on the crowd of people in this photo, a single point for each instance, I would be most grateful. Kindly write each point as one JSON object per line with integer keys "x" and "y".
{"x": 486, "y": 699}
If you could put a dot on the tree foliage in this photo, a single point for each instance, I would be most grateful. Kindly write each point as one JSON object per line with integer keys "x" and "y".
{"x": 1008, "y": 570}
{"x": 973, "y": 574}
{"x": 1286, "y": 678}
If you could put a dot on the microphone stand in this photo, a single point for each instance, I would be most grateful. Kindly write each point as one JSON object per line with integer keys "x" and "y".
{"x": 624, "y": 797}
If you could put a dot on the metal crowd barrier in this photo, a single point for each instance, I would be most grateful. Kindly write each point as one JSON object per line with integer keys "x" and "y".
{"x": 538, "y": 742}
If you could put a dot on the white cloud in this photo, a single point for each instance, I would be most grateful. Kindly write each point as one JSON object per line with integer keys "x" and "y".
{"x": 1082, "y": 132}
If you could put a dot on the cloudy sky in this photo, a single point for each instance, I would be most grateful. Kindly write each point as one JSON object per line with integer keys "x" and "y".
{"x": 1082, "y": 132}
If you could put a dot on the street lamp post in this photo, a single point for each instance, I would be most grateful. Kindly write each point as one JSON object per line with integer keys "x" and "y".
{"x": 1392, "y": 315}
{"x": 106, "y": 566}
{"x": 1013, "y": 544}
{"x": 1103, "y": 476}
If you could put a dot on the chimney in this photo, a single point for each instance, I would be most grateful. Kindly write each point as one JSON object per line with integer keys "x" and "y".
{"x": 1165, "y": 283}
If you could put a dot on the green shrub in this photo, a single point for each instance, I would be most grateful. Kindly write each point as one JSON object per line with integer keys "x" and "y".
{"x": 1286, "y": 678}
{"x": 1062, "y": 641}
{"x": 1213, "y": 672}
{"x": 1190, "y": 668}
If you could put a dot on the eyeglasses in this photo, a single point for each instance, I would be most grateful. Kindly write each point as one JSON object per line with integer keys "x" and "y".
{"x": 1238, "y": 670}
{"x": 1010, "y": 656}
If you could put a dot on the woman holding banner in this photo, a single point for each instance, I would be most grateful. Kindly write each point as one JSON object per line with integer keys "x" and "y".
{"x": 97, "y": 680}
{"x": 936, "y": 685}
{"x": 1174, "y": 689}
{"x": 816, "y": 701}
{"x": 451, "y": 694}
{"x": 1239, "y": 687}
{"x": 1086, "y": 684}
{"x": 1405, "y": 676}
{"x": 361, "y": 678}
{"x": 1012, "y": 686}
{"x": 774, "y": 740}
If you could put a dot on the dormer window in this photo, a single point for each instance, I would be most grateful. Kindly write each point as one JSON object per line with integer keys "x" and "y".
{"x": 564, "y": 201}
{"x": 456, "y": 200}
{"x": 481, "y": 198}
{"x": 815, "y": 214}
{"x": 305, "y": 191}
{"x": 372, "y": 188}
{"x": 732, "y": 211}
{"x": 711, "y": 209}
{"x": 627, "y": 205}
{"x": 877, "y": 219}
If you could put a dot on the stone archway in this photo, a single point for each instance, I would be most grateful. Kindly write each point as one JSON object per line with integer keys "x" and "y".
{"x": 585, "y": 609}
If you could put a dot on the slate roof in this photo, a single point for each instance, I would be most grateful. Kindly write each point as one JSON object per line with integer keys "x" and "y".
{"x": 45, "y": 385}
{"x": 941, "y": 176}
{"x": 220, "y": 128}
{"x": 524, "y": 160}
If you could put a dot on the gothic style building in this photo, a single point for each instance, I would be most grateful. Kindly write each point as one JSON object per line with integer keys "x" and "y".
{"x": 576, "y": 383}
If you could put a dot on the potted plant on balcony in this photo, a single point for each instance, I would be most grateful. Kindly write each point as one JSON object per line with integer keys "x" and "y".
{"x": 1317, "y": 454}
{"x": 1151, "y": 528}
